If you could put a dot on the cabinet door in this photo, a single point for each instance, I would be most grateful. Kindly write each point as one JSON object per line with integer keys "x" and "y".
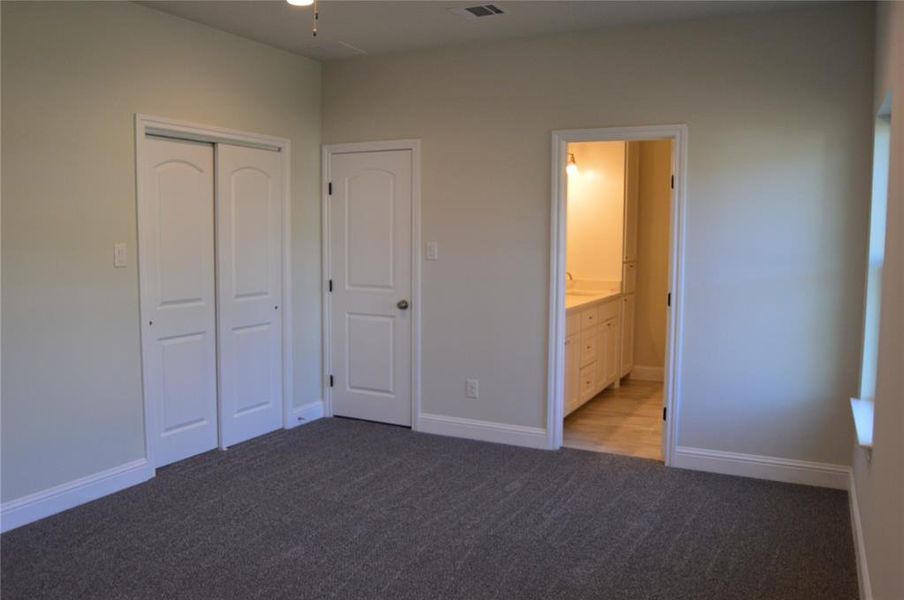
{"x": 629, "y": 277}
{"x": 602, "y": 356}
{"x": 588, "y": 383}
{"x": 632, "y": 190}
{"x": 588, "y": 346}
{"x": 572, "y": 372}
{"x": 610, "y": 366}
{"x": 627, "y": 334}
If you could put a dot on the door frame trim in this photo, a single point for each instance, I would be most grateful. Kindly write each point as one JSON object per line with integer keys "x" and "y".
{"x": 555, "y": 394}
{"x": 328, "y": 150}
{"x": 183, "y": 130}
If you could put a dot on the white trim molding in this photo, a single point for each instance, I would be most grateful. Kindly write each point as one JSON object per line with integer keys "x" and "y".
{"x": 484, "y": 431}
{"x": 866, "y": 590}
{"x": 555, "y": 392}
{"x": 51, "y": 501}
{"x": 762, "y": 467}
{"x": 328, "y": 150}
{"x": 647, "y": 373}
{"x": 306, "y": 413}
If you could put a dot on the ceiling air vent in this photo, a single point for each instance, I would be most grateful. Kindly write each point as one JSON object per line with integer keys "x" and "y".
{"x": 478, "y": 12}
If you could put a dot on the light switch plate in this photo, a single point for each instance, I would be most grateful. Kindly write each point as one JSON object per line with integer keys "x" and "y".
{"x": 120, "y": 258}
{"x": 432, "y": 250}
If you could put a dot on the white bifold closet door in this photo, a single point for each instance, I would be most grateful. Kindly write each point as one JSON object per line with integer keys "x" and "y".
{"x": 249, "y": 271}
{"x": 178, "y": 297}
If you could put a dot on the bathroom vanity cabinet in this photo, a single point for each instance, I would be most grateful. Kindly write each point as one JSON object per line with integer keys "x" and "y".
{"x": 593, "y": 347}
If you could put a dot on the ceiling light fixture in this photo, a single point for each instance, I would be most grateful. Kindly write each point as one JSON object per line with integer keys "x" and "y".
{"x": 572, "y": 167}
{"x": 316, "y": 12}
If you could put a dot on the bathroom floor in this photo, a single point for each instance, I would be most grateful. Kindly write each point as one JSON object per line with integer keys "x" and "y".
{"x": 626, "y": 421}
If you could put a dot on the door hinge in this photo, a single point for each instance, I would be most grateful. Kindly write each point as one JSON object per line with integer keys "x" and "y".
{"x": 331, "y": 285}
{"x": 673, "y": 182}
{"x": 331, "y": 381}
{"x": 329, "y": 188}
{"x": 669, "y": 300}
{"x": 665, "y": 412}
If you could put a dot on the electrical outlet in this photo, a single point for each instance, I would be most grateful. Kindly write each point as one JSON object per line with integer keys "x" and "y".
{"x": 432, "y": 250}
{"x": 471, "y": 388}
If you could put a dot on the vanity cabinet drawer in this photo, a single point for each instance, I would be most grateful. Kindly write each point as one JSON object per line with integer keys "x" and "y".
{"x": 588, "y": 382}
{"x": 572, "y": 323}
{"x": 588, "y": 346}
{"x": 589, "y": 318}
{"x": 608, "y": 310}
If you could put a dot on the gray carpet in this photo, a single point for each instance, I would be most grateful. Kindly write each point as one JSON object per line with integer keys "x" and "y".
{"x": 353, "y": 510}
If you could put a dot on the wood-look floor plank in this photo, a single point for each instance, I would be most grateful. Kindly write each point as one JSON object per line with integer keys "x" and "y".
{"x": 626, "y": 421}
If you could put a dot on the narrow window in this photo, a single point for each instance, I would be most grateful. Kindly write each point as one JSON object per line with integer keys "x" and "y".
{"x": 863, "y": 406}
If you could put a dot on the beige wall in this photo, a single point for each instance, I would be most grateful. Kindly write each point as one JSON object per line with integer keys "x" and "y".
{"x": 653, "y": 217}
{"x": 73, "y": 76}
{"x": 777, "y": 107}
{"x": 596, "y": 208}
{"x": 879, "y": 484}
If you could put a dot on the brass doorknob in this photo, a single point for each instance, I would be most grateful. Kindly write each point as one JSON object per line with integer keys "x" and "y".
{"x": 402, "y": 304}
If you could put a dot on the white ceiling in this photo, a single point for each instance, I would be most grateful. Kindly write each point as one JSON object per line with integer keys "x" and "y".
{"x": 375, "y": 27}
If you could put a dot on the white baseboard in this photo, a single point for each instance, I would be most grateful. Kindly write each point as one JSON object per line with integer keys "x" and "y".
{"x": 485, "y": 431}
{"x": 305, "y": 413}
{"x": 33, "y": 507}
{"x": 866, "y": 591}
{"x": 647, "y": 373}
{"x": 762, "y": 467}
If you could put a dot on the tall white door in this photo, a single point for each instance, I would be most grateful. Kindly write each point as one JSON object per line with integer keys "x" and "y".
{"x": 249, "y": 269}
{"x": 370, "y": 248}
{"x": 177, "y": 308}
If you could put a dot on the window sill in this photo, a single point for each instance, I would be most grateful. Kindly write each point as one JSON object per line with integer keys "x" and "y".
{"x": 862, "y": 410}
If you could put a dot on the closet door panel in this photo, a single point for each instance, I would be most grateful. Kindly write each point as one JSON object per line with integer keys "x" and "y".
{"x": 249, "y": 259}
{"x": 178, "y": 309}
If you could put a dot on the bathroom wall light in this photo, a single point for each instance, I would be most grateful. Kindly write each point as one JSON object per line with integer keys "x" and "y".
{"x": 572, "y": 167}
{"x": 300, "y": 2}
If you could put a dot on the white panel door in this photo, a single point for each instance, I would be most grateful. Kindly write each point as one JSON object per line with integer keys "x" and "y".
{"x": 370, "y": 248}
{"x": 177, "y": 304}
{"x": 249, "y": 268}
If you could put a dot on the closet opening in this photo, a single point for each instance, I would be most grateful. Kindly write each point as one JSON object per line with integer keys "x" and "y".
{"x": 215, "y": 286}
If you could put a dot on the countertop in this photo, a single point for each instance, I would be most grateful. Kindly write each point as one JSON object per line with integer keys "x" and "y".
{"x": 583, "y": 299}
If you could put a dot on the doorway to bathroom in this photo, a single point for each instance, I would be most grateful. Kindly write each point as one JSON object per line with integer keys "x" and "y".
{"x": 615, "y": 289}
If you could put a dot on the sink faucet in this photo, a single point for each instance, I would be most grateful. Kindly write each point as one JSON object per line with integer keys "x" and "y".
{"x": 569, "y": 275}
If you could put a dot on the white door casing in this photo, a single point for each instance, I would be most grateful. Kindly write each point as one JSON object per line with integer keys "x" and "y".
{"x": 556, "y": 375}
{"x": 249, "y": 271}
{"x": 371, "y": 263}
{"x": 572, "y": 372}
{"x": 178, "y": 296}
